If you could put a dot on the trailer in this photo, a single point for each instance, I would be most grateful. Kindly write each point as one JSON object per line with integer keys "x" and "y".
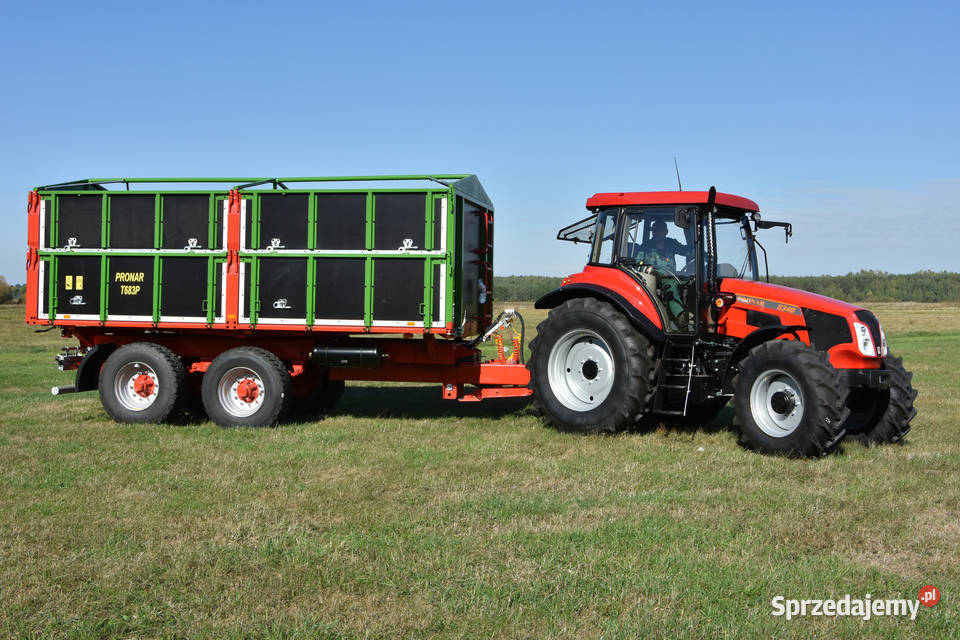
{"x": 266, "y": 291}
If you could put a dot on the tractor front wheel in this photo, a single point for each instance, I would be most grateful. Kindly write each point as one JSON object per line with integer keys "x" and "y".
{"x": 789, "y": 400}
{"x": 882, "y": 416}
{"x": 589, "y": 368}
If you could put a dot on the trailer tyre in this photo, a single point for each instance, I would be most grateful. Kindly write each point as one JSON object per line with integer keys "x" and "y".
{"x": 590, "y": 370}
{"x": 789, "y": 400}
{"x": 246, "y": 387}
{"x": 883, "y": 416}
{"x": 142, "y": 382}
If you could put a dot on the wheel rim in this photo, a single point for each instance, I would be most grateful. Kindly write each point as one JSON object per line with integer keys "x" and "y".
{"x": 776, "y": 402}
{"x": 241, "y": 392}
{"x": 581, "y": 370}
{"x": 136, "y": 386}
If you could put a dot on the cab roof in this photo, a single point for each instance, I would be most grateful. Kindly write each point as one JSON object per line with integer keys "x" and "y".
{"x": 668, "y": 197}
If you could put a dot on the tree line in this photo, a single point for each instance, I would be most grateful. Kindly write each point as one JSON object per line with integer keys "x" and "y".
{"x": 863, "y": 286}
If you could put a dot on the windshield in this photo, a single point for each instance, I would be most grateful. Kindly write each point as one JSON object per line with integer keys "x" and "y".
{"x": 733, "y": 254}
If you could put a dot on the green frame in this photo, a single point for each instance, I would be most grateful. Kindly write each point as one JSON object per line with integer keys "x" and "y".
{"x": 453, "y": 187}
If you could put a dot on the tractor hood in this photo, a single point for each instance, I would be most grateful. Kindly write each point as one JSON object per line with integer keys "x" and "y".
{"x": 850, "y": 334}
{"x": 782, "y": 297}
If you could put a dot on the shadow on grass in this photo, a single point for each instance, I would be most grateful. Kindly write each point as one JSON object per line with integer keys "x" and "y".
{"x": 722, "y": 422}
{"x": 422, "y": 402}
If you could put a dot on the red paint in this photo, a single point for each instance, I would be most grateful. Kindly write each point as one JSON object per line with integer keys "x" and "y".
{"x": 619, "y": 282}
{"x": 33, "y": 262}
{"x": 143, "y": 385}
{"x": 247, "y": 390}
{"x": 232, "y": 284}
{"x": 668, "y": 197}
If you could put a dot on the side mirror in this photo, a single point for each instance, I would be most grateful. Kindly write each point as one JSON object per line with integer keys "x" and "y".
{"x": 683, "y": 216}
{"x": 767, "y": 224}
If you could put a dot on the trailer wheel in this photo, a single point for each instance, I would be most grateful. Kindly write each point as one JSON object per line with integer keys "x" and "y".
{"x": 882, "y": 416}
{"x": 142, "y": 382}
{"x": 789, "y": 400}
{"x": 246, "y": 387}
{"x": 591, "y": 372}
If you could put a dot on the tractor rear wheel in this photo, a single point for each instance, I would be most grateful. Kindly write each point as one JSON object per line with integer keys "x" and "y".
{"x": 142, "y": 382}
{"x": 881, "y": 416}
{"x": 246, "y": 387}
{"x": 590, "y": 370}
{"x": 789, "y": 400}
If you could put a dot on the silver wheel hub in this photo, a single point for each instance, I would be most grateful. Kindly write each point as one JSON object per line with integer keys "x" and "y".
{"x": 241, "y": 392}
{"x": 136, "y": 386}
{"x": 581, "y": 370}
{"x": 776, "y": 402}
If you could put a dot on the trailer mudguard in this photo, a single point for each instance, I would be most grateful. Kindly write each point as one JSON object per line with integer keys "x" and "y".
{"x": 585, "y": 290}
{"x": 88, "y": 373}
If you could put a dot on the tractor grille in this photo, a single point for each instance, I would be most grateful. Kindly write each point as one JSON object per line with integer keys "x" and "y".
{"x": 826, "y": 329}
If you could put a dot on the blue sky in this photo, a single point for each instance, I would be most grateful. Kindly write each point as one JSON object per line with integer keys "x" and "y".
{"x": 841, "y": 117}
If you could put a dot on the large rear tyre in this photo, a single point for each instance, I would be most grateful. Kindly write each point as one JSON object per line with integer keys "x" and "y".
{"x": 590, "y": 370}
{"x": 142, "y": 382}
{"x": 789, "y": 400}
{"x": 882, "y": 416}
{"x": 246, "y": 387}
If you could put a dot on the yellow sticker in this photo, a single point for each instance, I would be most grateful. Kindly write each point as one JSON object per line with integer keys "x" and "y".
{"x": 68, "y": 282}
{"x": 79, "y": 283}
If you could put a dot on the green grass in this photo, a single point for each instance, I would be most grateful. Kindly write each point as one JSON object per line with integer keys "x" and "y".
{"x": 405, "y": 515}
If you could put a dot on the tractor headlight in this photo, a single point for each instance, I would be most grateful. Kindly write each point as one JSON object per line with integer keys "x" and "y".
{"x": 864, "y": 340}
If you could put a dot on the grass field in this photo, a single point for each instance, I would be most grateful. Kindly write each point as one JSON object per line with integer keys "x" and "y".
{"x": 403, "y": 515}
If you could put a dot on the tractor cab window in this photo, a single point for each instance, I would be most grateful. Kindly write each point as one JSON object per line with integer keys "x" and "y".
{"x": 735, "y": 259}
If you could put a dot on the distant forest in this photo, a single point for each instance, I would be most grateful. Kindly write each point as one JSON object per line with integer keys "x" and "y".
{"x": 863, "y": 286}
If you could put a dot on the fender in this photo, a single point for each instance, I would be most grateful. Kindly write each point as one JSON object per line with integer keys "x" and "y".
{"x": 753, "y": 339}
{"x": 558, "y": 296}
{"x": 88, "y": 373}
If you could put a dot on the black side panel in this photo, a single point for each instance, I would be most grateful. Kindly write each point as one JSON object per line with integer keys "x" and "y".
{"x": 284, "y": 220}
{"x": 283, "y": 288}
{"x": 78, "y": 285}
{"x": 761, "y": 319}
{"x": 399, "y": 219}
{"x": 438, "y": 284}
{"x": 79, "y": 216}
{"x": 341, "y": 221}
{"x": 130, "y": 286}
{"x": 826, "y": 329}
{"x": 339, "y": 290}
{"x": 183, "y": 287}
{"x": 186, "y": 220}
{"x": 132, "y": 221}
{"x": 45, "y": 298}
{"x": 398, "y": 289}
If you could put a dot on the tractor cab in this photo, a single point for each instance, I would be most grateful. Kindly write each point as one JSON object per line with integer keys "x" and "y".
{"x": 676, "y": 245}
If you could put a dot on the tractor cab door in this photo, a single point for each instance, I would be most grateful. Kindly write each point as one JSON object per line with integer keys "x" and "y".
{"x": 662, "y": 255}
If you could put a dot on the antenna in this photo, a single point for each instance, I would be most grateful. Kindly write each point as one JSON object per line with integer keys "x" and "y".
{"x": 677, "y": 167}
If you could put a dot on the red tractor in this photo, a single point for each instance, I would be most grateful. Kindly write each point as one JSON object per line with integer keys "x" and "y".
{"x": 670, "y": 318}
